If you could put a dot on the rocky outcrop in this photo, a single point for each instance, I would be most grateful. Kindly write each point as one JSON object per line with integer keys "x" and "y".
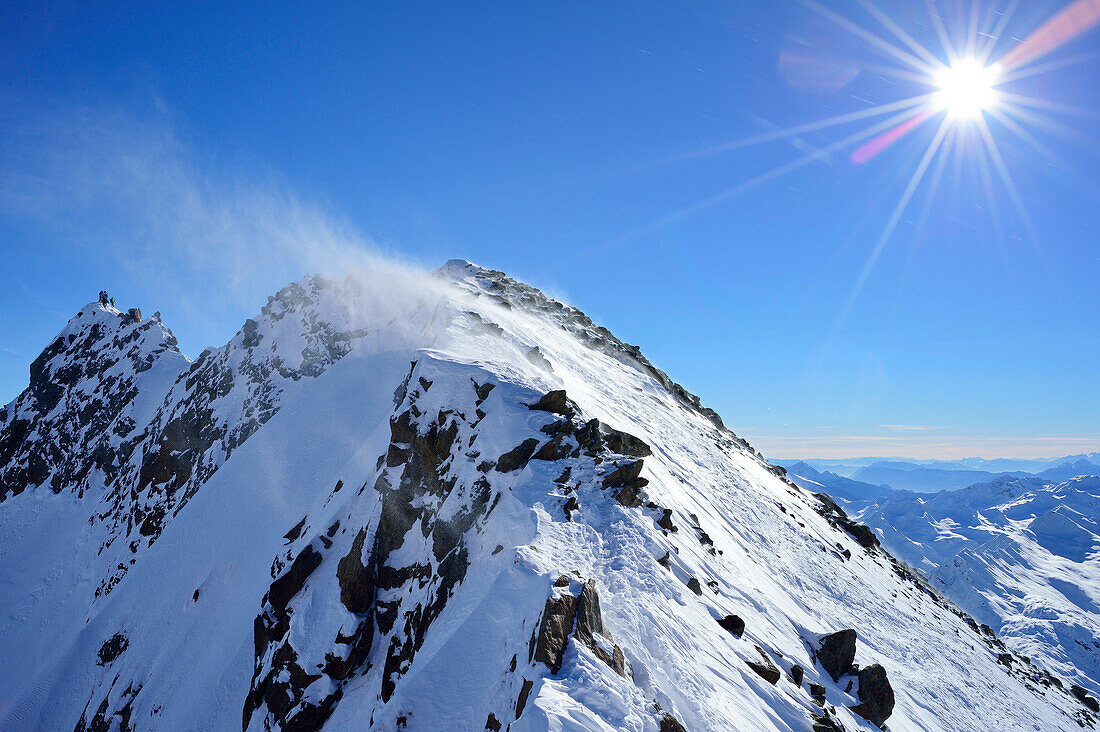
{"x": 557, "y": 625}
{"x": 764, "y": 667}
{"x": 836, "y": 516}
{"x": 836, "y": 652}
{"x": 112, "y": 648}
{"x": 733, "y": 624}
{"x": 554, "y": 402}
{"x": 394, "y": 601}
{"x": 1085, "y": 698}
{"x": 669, "y": 723}
{"x": 517, "y": 457}
{"x": 875, "y": 694}
{"x": 555, "y": 629}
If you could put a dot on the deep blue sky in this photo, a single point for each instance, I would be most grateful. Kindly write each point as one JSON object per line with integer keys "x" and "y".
{"x": 549, "y": 140}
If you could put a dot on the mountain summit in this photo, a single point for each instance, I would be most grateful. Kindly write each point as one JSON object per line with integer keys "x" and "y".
{"x": 444, "y": 502}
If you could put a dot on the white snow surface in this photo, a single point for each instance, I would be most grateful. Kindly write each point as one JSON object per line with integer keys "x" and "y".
{"x": 187, "y": 601}
{"x": 1022, "y": 555}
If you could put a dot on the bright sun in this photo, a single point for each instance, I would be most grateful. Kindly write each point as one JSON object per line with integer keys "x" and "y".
{"x": 967, "y": 88}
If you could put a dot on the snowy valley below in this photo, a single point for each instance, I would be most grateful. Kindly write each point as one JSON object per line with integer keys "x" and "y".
{"x": 1020, "y": 554}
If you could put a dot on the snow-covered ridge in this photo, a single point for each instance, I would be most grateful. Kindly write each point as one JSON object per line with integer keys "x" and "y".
{"x": 451, "y": 502}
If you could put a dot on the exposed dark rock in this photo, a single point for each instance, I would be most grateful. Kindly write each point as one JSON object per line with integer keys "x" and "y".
{"x": 295, "y": 532}
{"x": 483, "y": 390}
{"x": 836, "y": 516}
{"x": 734, "y": 624}
{"x": 618, "y": 662}
{"x": 557, "y": 624}
{"x": 554, "y": 402}
{"x": 764, "y": 667}
{"x": 570, "y": 506}
{"x": 875, "y": 694}
{"x": 817, "y": 691}
{"x": 625, "y": 444}
{"x": 555, "y": 449}
{"x": 665, "y": 561}
{"x": 112, "y": 648}
{"x": 824, "y": 723}
{"x": 797, "y": 674}
{"x": 356, "y": 584}
{"x": 836, "y": 652}
{"x": 589, "y": 615}
{"x": 665, "y": 522}
{"x": 669, "y": 723}
{"x": 589, "y": 438}
{"x": 492, "y": 723}
{"x": 1084, "y": 697}
{"x": 562, "y": 581}
{"x": 694, "y": 586}
{"x": 862, "y": 534}
{"x": 290, "y": 583}
{"x": 632, "y": 496}
{"x": 624, "y": 475}
{"x": 517, "y": 457}
{"x": 521, "y": 702}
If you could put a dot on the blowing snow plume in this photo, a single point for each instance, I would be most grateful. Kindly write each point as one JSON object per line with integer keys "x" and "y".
{"x": 197, "y": 230}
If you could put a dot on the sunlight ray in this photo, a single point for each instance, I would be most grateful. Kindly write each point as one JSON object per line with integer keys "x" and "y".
{"x": 1036, "y": 69}
{"x": 998, "y": 31}
{"x": 900, "y": 34}
{"x": 872, "y": 39}
{"x": 712, "y": 200}
{"x": 892, "y": 223}
{"x": 990, "y": 196}
{"x": 897, "y": 73}
{"x": 1047, "y": 105}
{"x": 937, "y": 176}
{"x": 1015, "y": 128}
{"x": 972, "y": 30}
{"x": 941, "y": 32}
{"x": 840, "y": 119}
{"x": 1006, "y": 178}
{"x": 1052, "y": 127}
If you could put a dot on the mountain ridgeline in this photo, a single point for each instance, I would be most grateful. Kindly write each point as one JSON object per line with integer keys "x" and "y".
{"x": 445, "y": 501}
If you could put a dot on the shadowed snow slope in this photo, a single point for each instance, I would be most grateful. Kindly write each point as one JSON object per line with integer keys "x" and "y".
{"x": 442, "y": 502}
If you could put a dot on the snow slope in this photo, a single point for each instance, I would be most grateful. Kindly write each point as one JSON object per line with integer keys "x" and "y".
{"x": 376, "y": 507}
{"x": 1021, "y": 555}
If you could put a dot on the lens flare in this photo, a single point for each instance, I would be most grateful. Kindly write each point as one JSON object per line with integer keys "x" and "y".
{"x": 966, "y": 88}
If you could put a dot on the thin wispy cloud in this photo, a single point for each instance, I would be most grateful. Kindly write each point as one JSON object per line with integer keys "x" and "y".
{"x": 193, "y": 227}
{"x": 911, "y": 427}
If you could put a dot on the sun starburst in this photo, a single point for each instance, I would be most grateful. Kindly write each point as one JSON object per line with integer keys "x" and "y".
{"x": 966, "y": 89}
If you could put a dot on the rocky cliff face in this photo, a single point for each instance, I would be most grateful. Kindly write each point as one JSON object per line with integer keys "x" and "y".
{"x": 446, "y": 502}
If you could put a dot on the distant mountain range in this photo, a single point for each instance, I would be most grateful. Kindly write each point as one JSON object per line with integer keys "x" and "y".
{"x": 1019, "y": 551}
{"x": 1021, "y": 555}
{"x": 931, "y": 476}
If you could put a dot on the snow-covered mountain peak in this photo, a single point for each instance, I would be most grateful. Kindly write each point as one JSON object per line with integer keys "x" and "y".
{"x": 408, "y": 501}
{"x": 91, "y": 390}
